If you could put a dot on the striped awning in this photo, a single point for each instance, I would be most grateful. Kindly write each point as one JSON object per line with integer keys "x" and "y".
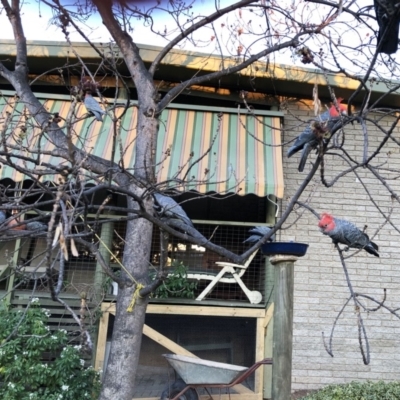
{"x": 207, "y": 149}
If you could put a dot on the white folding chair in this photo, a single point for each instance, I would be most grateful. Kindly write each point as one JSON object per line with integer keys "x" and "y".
{"x": 230, "y": 273}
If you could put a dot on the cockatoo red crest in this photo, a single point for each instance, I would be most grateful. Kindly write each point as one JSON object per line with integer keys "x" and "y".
{"x": 333, "y": 112}
{"x": 326, "y": 221}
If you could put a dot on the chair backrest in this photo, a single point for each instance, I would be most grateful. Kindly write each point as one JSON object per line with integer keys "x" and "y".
{"x": 240, "y": 271}
{"x": 227, "y": 277}
{"x": 250, "y": 259}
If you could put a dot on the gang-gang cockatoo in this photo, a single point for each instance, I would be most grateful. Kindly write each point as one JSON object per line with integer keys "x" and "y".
{"x": 257, "y": 233}
{"x": 316, "y": 131}
{"x": 345, "y": 232}
{"x": 169, "y": 208}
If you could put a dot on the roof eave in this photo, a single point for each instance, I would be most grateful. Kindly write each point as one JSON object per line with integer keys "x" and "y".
{"x": 179, "y": 65}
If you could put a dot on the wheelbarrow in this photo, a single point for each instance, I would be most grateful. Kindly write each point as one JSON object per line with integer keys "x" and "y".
{"x": 196, "y": 373}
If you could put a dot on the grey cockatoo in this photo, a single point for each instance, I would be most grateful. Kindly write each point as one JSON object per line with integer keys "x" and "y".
{"x": 257, "y": 233}
{"x": 314, "y": 133}
{"x": 170, "y": 208}
{"x": 93, "y": 106}
{"x": 345, "y": 232}
{"x": 36, "y": 226}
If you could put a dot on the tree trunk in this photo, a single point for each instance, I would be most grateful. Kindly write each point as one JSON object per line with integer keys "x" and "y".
{"x": 120, "y": 376}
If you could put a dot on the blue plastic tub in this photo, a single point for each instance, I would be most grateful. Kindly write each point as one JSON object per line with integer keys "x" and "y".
{"x": 287, "y": 248}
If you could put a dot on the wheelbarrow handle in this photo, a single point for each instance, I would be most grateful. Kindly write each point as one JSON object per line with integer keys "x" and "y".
{"x": 250, "y": 370}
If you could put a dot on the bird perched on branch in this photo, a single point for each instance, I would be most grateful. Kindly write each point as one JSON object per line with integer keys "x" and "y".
{"x": 16, "y": 225}
{"x": 36, "y": 226}
{"x": 388, "y": 18}
{"x": 320, "y": 128}
{"x": 345, "y": 232}
{"x": 257, "y": 233}
{"x": 168, "y": 207}
{"x": 93, "y": 106}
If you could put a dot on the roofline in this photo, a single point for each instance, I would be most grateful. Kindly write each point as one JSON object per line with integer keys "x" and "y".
{"x": 194, "y": 61}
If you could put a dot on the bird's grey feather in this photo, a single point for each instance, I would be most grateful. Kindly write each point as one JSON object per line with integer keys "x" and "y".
{"x": 36, "y": 226}
{"x": 307, "y": 136}
{"x": 308, "y": 140}
{"x": 347, "y": 233}
{"x": 93, "y": 106}
{"x": 171, "y": 209}
{"x": 257, "y": 233}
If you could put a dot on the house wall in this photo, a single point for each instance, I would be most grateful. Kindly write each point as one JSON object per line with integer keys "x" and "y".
{"x": 320, "y": 284}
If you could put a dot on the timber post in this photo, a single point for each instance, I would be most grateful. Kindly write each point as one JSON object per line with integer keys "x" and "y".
{"x": 283, "y": 326}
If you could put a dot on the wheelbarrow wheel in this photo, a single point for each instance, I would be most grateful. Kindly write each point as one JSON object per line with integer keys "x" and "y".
{"x": 174, "y": 388}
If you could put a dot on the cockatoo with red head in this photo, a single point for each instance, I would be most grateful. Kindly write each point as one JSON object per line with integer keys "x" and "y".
{"x": 345, "y": 232}
{"x": 314, "y": 133}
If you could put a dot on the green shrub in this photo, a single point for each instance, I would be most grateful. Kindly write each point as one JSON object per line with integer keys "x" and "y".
{"x": 24, "y": 339}
{"x": 358, "y": 391}
{"x": 176, "y": 284}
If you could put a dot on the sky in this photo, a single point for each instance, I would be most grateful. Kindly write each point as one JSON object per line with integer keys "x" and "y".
{"x": 36, "y": 25}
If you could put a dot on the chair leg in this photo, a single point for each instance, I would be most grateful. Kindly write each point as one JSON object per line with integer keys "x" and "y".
{"x": 254, "y": 296}
{"x": 211, "y": 285}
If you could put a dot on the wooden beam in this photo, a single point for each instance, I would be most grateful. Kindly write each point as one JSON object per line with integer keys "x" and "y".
{"x": 206, "y": 311}
{"x": 101, "y": 341}
{"x": 259, "y": 373}
{"x": 199, "y": 310}
{"x": 108, "y": 307}
{"x": 268, "y": 349}
{"x": 165, "y": 342}
{"x": 243, "y": 390}
{"x": 268, "y": 315}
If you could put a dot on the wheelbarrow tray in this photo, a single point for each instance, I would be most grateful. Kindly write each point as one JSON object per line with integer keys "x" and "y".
{"x": 196, "y": 371}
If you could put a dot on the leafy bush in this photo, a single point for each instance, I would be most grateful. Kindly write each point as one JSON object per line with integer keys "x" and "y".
{"x": 176, "y": 284}
{"x": 24, "y": 339}
{"x": 358, "y": 391}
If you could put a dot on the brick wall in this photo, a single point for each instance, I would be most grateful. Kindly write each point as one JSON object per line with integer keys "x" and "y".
{"x": 320, "y": 284}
